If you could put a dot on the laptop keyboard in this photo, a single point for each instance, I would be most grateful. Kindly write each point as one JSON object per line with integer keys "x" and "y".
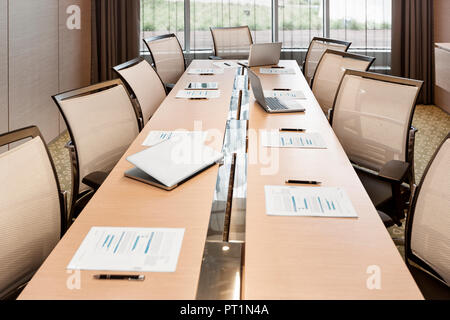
{"x": 275, "y": 104}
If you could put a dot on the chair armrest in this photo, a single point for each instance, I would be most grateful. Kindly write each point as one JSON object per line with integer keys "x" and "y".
{"x": 394, "y": 171}
{"x": 214, "y": 58}
{"x": 95, "y": 179}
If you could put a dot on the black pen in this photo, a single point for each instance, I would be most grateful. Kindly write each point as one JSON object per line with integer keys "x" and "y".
{"x": 206, "y": 74}
{"x": 279, "y": 89}
{"x": 292, "y": 130}
{"x": 119, "y": 277}
{"x": 198, "y": 98}
{"x": 277, "y": 67}
{"x": 303, "y": 182}
{"x": 227, "y": 64}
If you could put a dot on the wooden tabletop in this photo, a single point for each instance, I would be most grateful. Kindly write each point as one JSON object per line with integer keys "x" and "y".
{"x": 285, "y": 258}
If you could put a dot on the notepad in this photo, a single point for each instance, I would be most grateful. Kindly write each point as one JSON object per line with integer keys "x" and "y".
{"x": 156, "y": 137}
{"x": 277, "y": 139}
{"x": 129, "y": 249}
{"x": 308, "y": 202}
{"x": 198, "y": 94}
{"x": 291, "y": 94}
{"x": 170, "y": 163}
{"x": 205, "y": 71}
{"x": 226, "y": 64}
{"x": 276, "y": 71}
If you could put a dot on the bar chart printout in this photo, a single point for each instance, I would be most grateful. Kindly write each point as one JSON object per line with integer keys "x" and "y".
{"x": 276, "y": 139}
{"x": 308, "y": 202}
{"x": 129, "y": 249}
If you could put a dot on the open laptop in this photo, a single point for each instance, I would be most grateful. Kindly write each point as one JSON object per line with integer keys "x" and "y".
{"x": 272, "y": 105}
{"x": 263, "y": 54}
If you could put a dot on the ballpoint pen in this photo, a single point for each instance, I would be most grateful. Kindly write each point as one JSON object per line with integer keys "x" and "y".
{"x": 292, "y": 130}
{"x": 281, "y": 89}
{"x": 303, "y": 182}
{"x": 119, "y": 277}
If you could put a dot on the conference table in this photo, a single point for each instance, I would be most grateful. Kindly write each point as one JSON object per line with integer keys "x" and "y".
{"x": 282, "y": 257}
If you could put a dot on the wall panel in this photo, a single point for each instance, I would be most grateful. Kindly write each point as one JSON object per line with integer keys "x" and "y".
{"x": 3, "y": 68}
{"x": 33, "y": 65}
{"x": 74, "y": 49}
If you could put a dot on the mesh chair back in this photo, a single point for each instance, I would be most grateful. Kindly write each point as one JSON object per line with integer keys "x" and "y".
{"x": 428, "y": 234}
{"x": 317, "y": 47}
{"x": 372, "y": 117}
{"x": 30, "y": 212}
{"x": 167, "y": 56}
{"x": 330, "y": 71}
{"x": 102, "y": 125}
{"x": 232, "y": 43}
{"x": 146, "y": 85}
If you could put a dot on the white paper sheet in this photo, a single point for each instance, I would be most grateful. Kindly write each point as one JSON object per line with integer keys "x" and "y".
{"x": 198, "y": 94}
{"x": 292, "y": 94}
{"x": 129, "y": 249}
{"x": 308, "y": 202}
{"x": 276, "y": 71}
{"x": 226, "y": 64}
{"x": 203, "y": 71}
{"x": 277, "y": 139}
{"x": 156, "y": 137}
{"x": 202, "y": 86}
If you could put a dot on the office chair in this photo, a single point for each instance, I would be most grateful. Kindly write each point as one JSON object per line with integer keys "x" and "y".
{"x": 329, "y": 73}
{"x": 102, "y": 122}
{"x": 427, "y": 238}
{"x": 316, "y": 49}
{"x": 145, "y": 86}
{"x": 372, "y": 116}
{"x": 32, "y": 211}
{"x": 231, "y": 43}
{"x": 168, "y": 58}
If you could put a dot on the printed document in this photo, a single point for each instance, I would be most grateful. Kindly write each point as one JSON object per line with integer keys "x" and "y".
{"x": 198, "y": 94}
{"x": 277, "y": 139}
{"x": 276, "y": 71}
{"x": 205, "y": 71}
{"x": 308, "y": 202}
{"x": 156, "y": 137}
{"x": 129, "y": 249}
{"x": 291, "y": 94}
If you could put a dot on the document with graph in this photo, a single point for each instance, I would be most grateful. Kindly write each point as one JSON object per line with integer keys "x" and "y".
{"x": 308, "y": 202}
{"x": 276, "y": 71}
{"x": 198, "y": 94}
{"x": 205, "y": 71}
{"x": 129, "y": 249}
{"x": 277, "y": 139}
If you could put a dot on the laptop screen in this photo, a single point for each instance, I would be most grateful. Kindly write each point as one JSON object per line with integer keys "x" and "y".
{"x": 257, "y": 88}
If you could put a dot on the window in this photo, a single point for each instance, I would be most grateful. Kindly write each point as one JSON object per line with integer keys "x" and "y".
{"x": 366, "y": 23}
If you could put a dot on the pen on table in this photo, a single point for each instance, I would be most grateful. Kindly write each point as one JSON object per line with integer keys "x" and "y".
{"x": 303, "y": 182}
{"x": 277, "y": 67}
{"x": 198, "y": 98}
{"x": 280, "y": 89}
{"x": 292, "y": 130}
{"x": 227, "y": 64}
{"x": 119, "y": 277}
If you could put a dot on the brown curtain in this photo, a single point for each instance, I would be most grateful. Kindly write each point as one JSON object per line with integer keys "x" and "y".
{"x": 115, "y": 35}
{"x": 412, "y": 43}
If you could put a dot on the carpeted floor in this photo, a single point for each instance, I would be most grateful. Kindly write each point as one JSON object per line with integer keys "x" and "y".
{"x": 433, "y": 125}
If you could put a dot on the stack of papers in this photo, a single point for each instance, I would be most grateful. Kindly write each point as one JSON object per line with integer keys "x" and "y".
{"x": 205, "y": 71}
{"x": 288, "y": 94}
{"x": 277, "y": 71}
{"x": 198, "y": 94}
{"x": 277, "y": 139}
{"x": 226, "y": 64}
{"x": 129, "y": 249}
{"x": 156, "y": 137}
{"x": 308, "y": 201}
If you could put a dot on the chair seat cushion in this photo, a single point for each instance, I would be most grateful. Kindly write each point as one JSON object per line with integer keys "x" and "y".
{"x": 379, "y": 191}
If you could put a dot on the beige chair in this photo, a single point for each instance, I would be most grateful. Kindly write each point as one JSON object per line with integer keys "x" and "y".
{"x": 32, "y": 209}
{"x": 372, "y": 118}
{"x": 316, "y": 49}
{"x": 330, "y": 71}
{"x": 102, "y": 123}
{"x": 231, "y": 43}
{"x": 168, "y": 58}
{"x": 145, "y": 86}
{"x": 427, "y": 240}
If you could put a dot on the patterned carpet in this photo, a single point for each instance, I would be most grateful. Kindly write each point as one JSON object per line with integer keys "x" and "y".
{"x": 433, "y": 125}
